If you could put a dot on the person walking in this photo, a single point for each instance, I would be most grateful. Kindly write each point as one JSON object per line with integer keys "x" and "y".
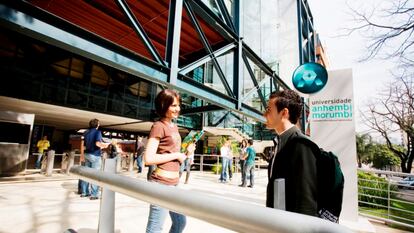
{"x": 163, "y": 149}
{"x": 93, "y": 151}
{"x": 249, "y": 157}
{"x": 293, "y": 160}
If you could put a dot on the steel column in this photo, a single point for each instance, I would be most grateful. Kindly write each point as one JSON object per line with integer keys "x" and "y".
{"x": 173, "y": 39}
{"x": 237, "y": 59}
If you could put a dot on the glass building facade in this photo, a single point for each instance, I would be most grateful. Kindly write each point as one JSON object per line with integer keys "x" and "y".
{"x": 228, "y": 57}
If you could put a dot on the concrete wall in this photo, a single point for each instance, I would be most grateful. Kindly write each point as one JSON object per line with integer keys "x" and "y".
{"x": 13, "y": 155}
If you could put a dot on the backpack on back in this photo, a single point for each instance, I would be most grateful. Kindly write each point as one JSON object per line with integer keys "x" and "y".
{"x": 330, "y": 182}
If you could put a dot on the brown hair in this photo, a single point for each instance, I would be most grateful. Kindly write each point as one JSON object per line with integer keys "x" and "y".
{"x": 291, "y": 100}
{"x": 164, "y": 100}
{"x": 93, "y": 123}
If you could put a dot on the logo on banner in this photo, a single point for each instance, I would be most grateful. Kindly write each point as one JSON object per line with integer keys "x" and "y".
{"x": 331, "y": 110}
{"x": 310, "y": 78}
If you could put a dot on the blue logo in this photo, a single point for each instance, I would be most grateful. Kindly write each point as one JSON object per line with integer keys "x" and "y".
{"x": 310, "y": 78}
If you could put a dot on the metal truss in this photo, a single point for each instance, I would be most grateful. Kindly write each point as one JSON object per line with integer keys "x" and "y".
{"x": 163, "y": 71}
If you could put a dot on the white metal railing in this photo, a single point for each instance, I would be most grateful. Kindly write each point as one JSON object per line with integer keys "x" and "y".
{"x": 201, "y": 162}
{"x": 240, "y": 217}
{"x": 384, "y": 198}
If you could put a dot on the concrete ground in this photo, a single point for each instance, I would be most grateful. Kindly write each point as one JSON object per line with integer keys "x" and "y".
{"x": 41, "y": 204}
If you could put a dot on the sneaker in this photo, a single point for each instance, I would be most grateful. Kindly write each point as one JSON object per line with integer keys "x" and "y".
{"x": 250, "y": 186}
{"x": 93, "y": 198}
{"x": 242, "y": 185}
{"x": 84, "y": 195}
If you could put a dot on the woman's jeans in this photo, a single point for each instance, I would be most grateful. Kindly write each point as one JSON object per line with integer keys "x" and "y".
{"x": 156, "y": 220}
{"x": 224, "y": 166}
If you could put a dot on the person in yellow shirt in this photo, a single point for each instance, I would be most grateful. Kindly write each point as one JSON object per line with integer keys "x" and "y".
{"x": 42, "y": 146}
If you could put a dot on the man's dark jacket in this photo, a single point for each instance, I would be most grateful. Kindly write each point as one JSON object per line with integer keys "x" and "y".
{"x": 296, "y": 163}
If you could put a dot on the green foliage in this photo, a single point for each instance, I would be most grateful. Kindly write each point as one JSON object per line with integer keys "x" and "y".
{"x": 374, "y": 189}
{"x": 384, "y": 157}
{"x": 364, "y": 147}
{"x": 215, "y": 167}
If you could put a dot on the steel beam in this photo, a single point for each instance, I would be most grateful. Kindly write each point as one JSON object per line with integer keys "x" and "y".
{"x": 173, "y": 39}
{"x": 214, "y": 21}
{"x": 207, "y": 108}
{"x": 225, "y": 13}
{"x": 206, "y": 58}
{"x": 139, "y": 30}
{"x": 208, "y": 48}
{"x": 262, "y": 65}
{"x": 256, "y": 84}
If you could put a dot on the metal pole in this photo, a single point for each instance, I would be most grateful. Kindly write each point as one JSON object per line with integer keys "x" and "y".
{"x": 389, "y": 199}
{"x": 279, "y": 201}
{"x": 107, "y": 209}
{"x": 71, "y": 161}
{"x": 131, "y": 162}
{"x": 218, "y": 163}
{"x": 201, "y": 162}
{"x": 50, "y": 161}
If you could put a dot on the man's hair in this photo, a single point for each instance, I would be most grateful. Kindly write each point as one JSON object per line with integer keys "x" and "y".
{"x": 250, "y": 141}
{"x": 291, "y": 100}
{"x": 93, "y": 123}
{"x": 164, "y": 100}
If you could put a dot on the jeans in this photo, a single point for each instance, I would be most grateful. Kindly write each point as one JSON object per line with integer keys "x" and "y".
{"x": 156, "y": 220}
{"x": 91, "y": 161}
{"x": 39, "y": 161}
{"x": 242, "y": 170}
{"x": 224, "y": 166}
{"x": 139, "y": 163}
{"x": 249, "y": 169}
{"x": 230, "y": 166}
{"x": 186, "y": 165}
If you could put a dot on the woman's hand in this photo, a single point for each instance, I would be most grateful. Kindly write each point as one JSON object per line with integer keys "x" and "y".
{"x": 191, "y": 148}
{"x": 181, "y": 157}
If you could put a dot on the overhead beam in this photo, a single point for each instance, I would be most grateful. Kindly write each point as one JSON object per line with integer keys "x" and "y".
{"x": 207, "y": 108}
{"x": 139, "y": 30}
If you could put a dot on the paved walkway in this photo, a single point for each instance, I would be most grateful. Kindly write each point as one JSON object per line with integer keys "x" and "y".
{"x": 53, "y": 205}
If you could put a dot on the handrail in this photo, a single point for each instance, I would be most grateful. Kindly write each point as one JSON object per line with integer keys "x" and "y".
{"x": 236, "y": 216}
{"x": 386, "y": 172}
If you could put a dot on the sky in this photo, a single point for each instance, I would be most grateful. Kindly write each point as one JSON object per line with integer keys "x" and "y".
{"x": 331, "y": 17}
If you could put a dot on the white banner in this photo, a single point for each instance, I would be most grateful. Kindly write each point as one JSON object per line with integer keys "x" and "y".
{"x": 332, "y": 127}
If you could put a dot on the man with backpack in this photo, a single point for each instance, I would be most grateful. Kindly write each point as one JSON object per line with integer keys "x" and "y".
{"x": 296, "y": 159}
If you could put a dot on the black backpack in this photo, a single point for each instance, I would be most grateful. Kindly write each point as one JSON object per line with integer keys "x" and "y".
{"x": 330, "y": 182}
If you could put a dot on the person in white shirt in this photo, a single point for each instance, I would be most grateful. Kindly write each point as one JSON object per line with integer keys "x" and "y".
{"x": 226, "y": 156}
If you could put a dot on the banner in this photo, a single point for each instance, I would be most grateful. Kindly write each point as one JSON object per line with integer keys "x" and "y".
{"x": 332, "y": 127}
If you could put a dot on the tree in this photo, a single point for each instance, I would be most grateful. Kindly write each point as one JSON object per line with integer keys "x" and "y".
{"x": 393, "y": 112}
{"x": 364, "y": 149}
{"x": 383, "y": 157}
{"x": 389, "y": 25}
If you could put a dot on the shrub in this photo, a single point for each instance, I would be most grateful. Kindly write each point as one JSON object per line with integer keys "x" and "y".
{"x": 374, "y": 189}
{"x": 215, "y": 167}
